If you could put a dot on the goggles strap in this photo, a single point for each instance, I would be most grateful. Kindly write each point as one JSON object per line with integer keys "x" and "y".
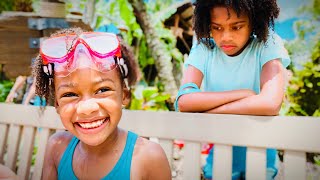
{"x": 124, "y": 71}
{"x": 126, "y": 83}
{"x": 123, "y": 67}
{"x": 48, "y": 70}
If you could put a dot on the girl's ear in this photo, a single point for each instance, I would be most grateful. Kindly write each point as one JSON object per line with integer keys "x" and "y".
{"x": 125, "y": 96}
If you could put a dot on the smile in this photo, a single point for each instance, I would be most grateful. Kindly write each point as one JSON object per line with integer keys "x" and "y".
{"x": 91, "y": 125}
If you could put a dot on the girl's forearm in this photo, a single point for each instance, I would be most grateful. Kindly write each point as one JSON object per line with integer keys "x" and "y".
{"x": 253, "y": 105}
{"x": 268, "y": 102}
{"x": 204, "y": 101}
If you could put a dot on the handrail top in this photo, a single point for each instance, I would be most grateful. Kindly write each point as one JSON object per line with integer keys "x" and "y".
{"x": 280, "y": 132}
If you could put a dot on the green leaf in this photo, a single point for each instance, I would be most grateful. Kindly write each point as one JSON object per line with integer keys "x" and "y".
{"x": 161, "y": 98}
{"x": 5, "y": 87}
{"x": 149, "y": 92}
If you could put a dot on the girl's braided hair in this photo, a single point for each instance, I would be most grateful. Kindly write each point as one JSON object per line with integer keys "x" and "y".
{"x": 45, "y": 84}
{"x": 261, "y": 13}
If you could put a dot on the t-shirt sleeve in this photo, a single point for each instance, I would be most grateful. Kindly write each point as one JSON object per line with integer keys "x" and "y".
{"x": 274, "y": 49}
{"x": 197, "y": 57}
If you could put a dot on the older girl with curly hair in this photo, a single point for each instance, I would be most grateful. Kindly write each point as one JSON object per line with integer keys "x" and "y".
{"x": 239, "y": 63}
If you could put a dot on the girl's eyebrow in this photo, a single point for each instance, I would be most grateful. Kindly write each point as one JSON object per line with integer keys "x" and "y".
{"x": 100, "y": 80}
{"x": 67, "y": 85}
{"x": 234, "y": 23}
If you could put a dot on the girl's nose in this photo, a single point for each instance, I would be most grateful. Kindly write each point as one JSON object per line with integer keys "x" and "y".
{"x": 226, "y": 36}
{"x": 87, "y": 107}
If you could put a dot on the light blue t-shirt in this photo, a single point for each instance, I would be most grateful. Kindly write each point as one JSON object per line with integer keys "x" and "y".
{"x": 223, "y": 73}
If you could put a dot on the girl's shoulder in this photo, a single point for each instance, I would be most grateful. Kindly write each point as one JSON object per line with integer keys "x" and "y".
{"x": 150, "y": 156}
{"x": 61, "y": 137}
{"x": 57, "y": 144}
{"x": 273, "y": 40}
{"x": 145, "y": 148}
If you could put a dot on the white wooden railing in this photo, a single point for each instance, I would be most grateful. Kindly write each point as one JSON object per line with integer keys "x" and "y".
{"x": 294, "y": 135}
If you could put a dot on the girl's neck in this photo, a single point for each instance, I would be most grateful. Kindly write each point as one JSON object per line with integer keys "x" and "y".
{"x": 112, "y": 143}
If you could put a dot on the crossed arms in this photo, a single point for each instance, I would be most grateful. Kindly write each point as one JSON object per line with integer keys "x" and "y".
{"x": 242, "y": 101}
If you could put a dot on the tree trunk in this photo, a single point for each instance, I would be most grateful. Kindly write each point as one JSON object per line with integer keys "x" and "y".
{"x": 159, "y": 53}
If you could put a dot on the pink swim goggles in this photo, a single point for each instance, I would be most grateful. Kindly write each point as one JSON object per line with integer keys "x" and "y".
{"x": 67, "y": 52}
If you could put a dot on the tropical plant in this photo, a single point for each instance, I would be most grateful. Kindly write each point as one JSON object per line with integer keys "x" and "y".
{"x": 16, "y": 5}
{"x": 6, "y": 5}
{"x": 304, "y": 89}
{"x": 5, "y": 87}
{"x": 149, "y": 98}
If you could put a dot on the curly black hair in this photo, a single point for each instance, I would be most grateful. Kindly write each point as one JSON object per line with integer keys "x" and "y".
{"x": 45, "y": 83}
{"x": 262, "y": 14}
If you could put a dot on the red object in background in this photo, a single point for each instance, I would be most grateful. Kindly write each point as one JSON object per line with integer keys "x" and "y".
{"x": 178, "y": 143}
{"x": 205, "y": 148}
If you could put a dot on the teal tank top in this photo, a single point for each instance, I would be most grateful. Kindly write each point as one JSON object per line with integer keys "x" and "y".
{"x": 120, "y": 171}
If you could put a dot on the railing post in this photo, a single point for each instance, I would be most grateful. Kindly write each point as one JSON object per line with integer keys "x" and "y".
{"x": 294, "y": 165}
{"x": 222, "y": 162}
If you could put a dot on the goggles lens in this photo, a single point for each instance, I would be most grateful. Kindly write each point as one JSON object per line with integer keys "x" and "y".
{"x": 99, "y": 51}
{"x": 57, "y": 47}
{"x": 102, "y": 44}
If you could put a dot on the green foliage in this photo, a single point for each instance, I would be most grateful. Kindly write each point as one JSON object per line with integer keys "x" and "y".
{"x": 304, "y": 89}
{"x": 36, "y": 5}
{"x": 34, "y": 152}
{"x": 161, "y": 10}
{"x": 149, "y": 98}
{"x": 317, "y": 160}
{"x": 120, "y": 13}
{"x": 5, "y": 87}
{"x": 75, "y": 6}
{"x": 144, "y": 55}
{"x": 6, "y": 5}
{"x": 313, "y": 9}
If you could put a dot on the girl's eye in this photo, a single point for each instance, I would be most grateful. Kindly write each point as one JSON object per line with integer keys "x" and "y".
{"x": 102, "y": 90}
{"x": 216, "y": 28}
{"x": 69, "y": 94}
{"x": 236, "y": 28}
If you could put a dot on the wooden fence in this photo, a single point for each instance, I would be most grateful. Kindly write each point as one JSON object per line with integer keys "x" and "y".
{"x": 294, "y": 135}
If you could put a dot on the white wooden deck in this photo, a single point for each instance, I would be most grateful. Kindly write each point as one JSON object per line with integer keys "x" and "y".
{"x": 294, "y": 135}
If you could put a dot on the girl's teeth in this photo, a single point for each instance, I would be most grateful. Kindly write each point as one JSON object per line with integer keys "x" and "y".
{"x": 92, "y": 124}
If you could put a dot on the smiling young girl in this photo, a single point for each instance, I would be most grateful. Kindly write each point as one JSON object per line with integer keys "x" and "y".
{"x": 88, "y": 76}
{"x": 240, "y": 63}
